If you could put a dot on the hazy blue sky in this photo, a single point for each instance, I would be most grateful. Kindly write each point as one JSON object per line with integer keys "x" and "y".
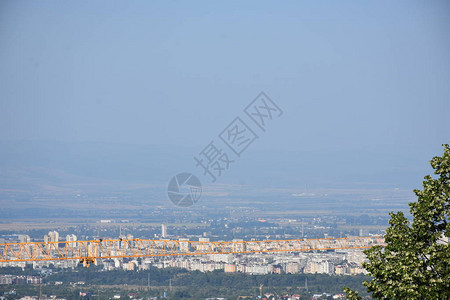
{"x": 346, "y": 73}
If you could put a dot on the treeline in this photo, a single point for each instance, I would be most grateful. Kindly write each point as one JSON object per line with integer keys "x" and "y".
{"x": 182, "y": 278}
{"x": 180, "y": 283}
{"x": 28, "y": 270}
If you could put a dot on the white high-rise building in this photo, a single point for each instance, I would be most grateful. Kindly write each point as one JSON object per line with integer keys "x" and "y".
{"x": 163, "y": 230}
{"x": 184, "y": 244}
{"x": 53, "y": 236}
{"x": 72, "y": 238}
{"x": 24, "y": 238}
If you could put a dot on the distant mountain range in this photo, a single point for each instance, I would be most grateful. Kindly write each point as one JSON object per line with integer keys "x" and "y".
{"x": 60, "y": 179}
{"x": 42, "y": 162}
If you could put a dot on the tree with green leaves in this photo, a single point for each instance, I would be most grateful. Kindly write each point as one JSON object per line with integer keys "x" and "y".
{"x": 414, "y": 263}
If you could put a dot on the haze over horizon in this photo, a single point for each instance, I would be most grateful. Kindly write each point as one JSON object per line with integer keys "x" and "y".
{"x": 132, "y": 91}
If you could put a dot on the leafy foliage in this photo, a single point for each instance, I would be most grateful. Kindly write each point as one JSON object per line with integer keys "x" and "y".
{"x": 216, "y": 279}
{"x": 415, "y": 262}
{"x": 351, "y": 294}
